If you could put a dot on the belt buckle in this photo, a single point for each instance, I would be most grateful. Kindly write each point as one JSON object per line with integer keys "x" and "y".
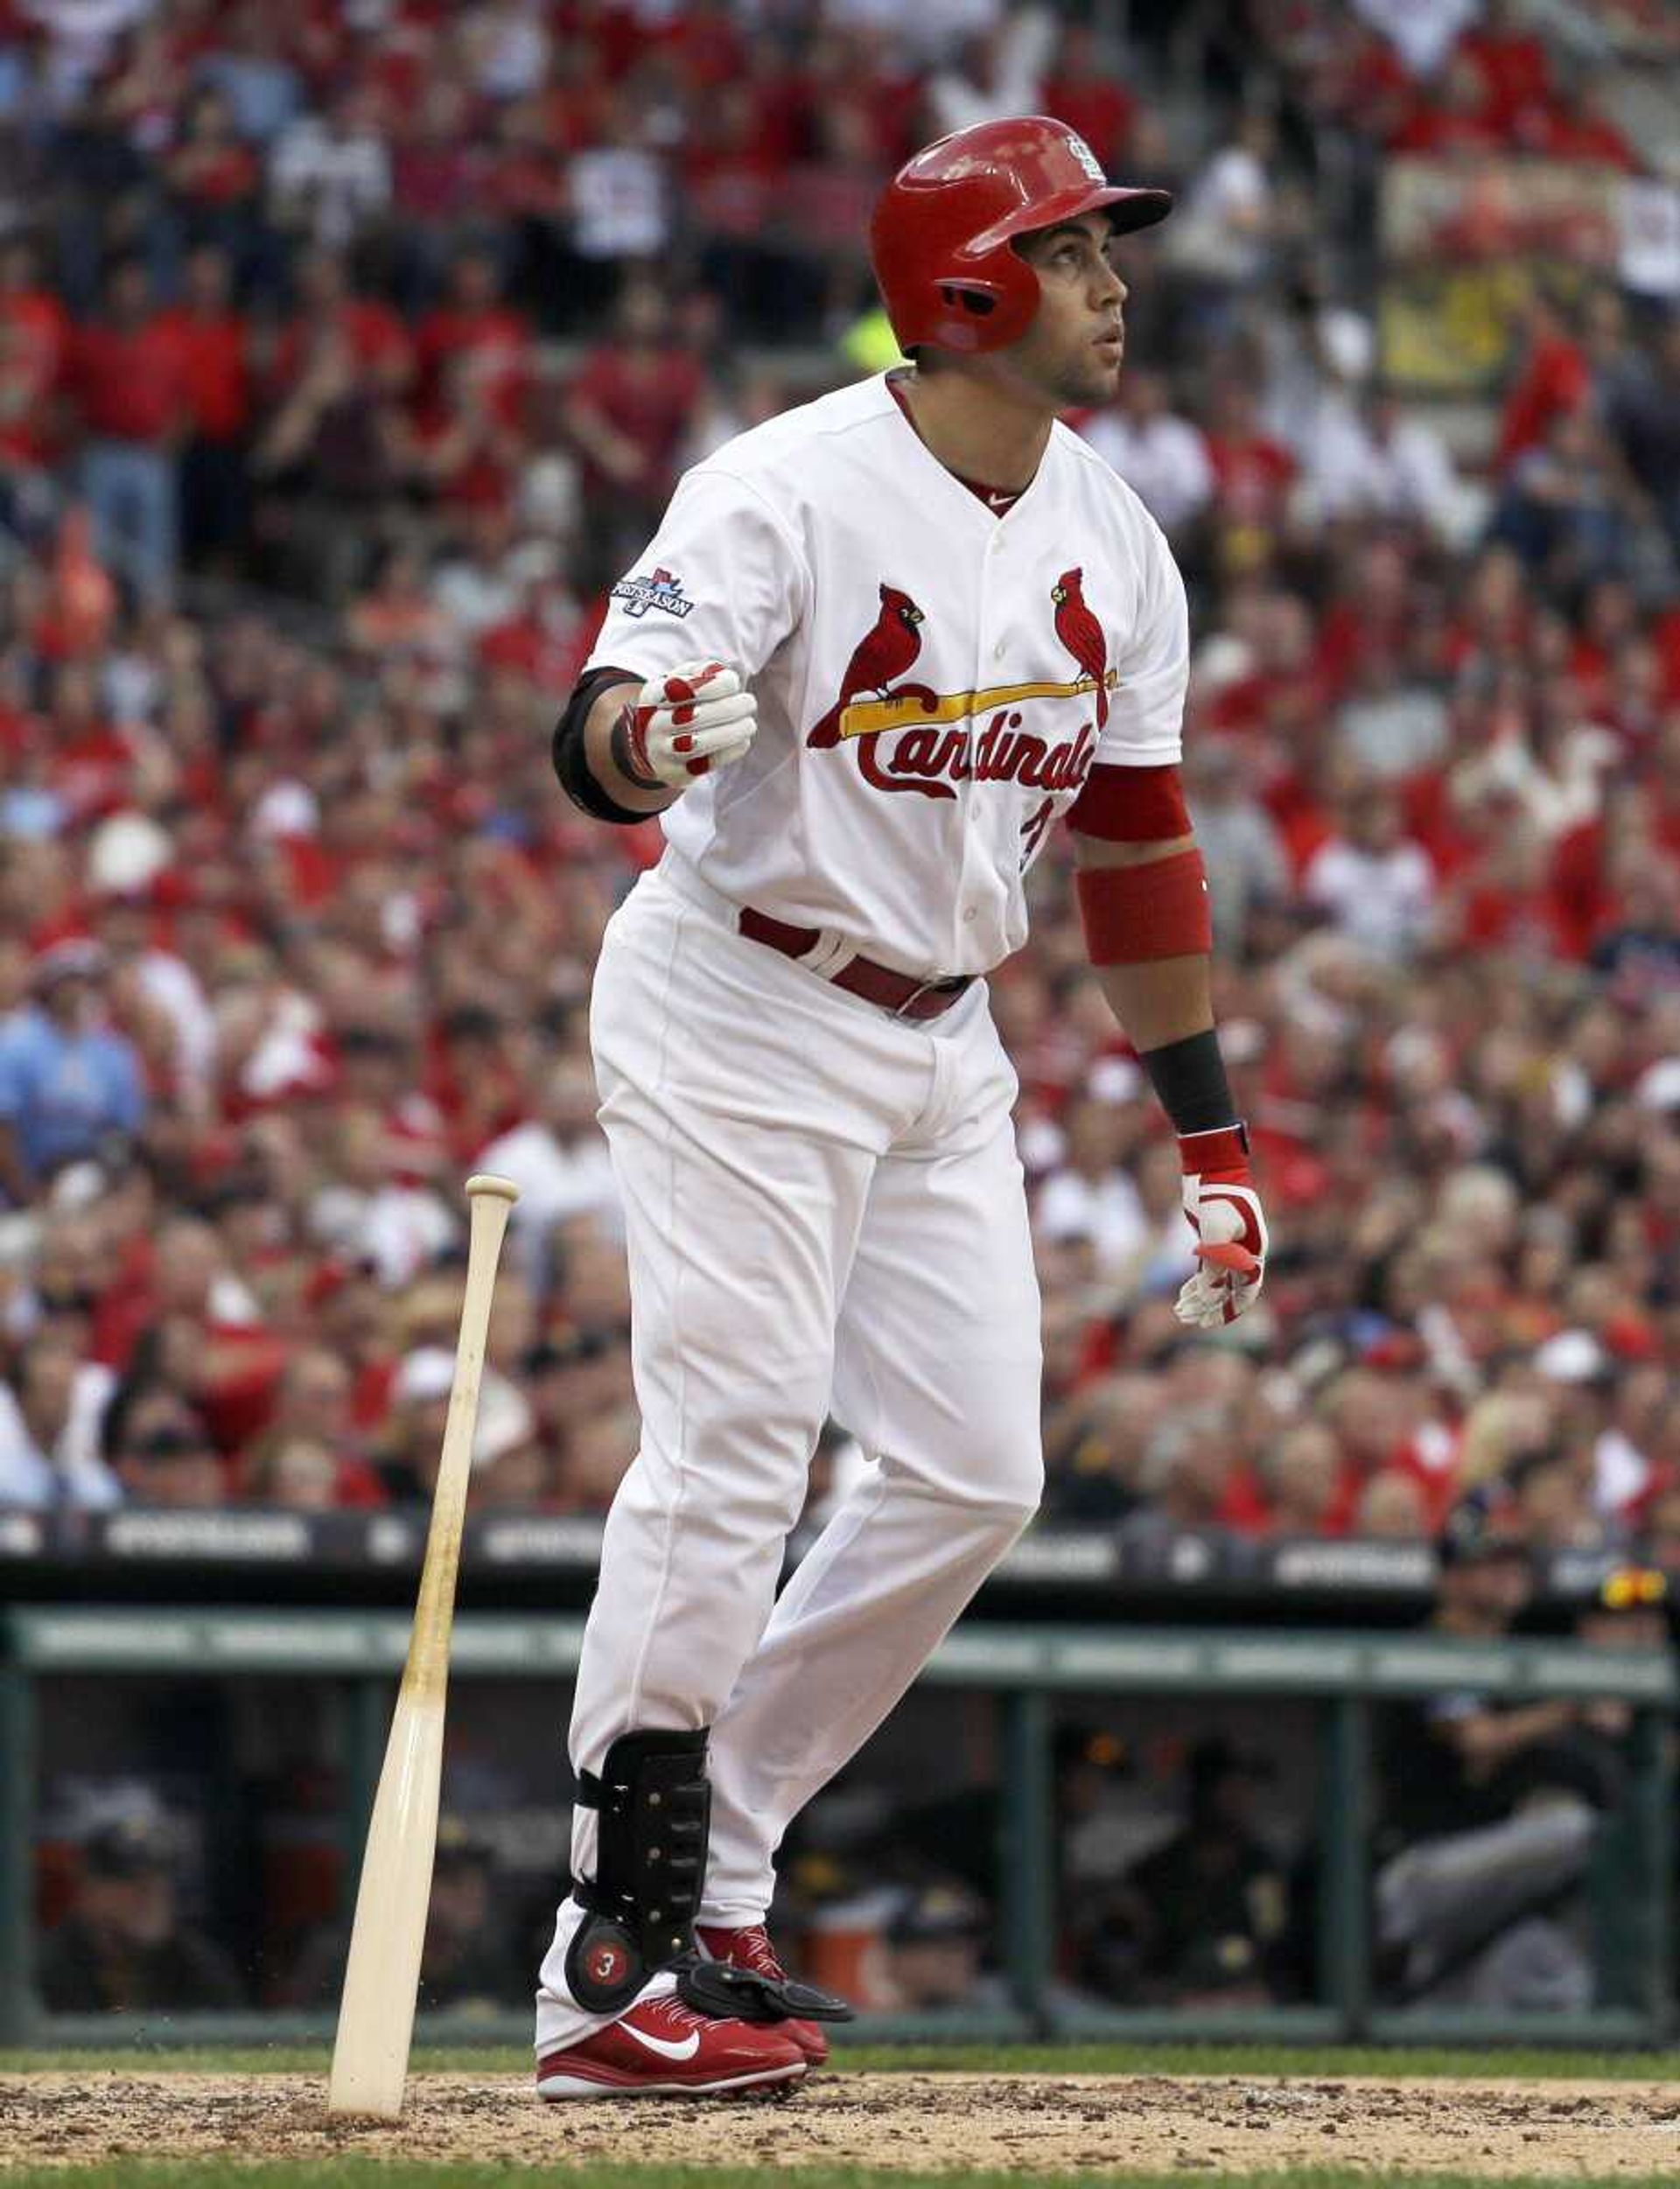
{"x": 955, "y": 981}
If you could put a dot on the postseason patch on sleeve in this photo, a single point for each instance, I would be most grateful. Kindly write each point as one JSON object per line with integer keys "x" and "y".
{"x": 662, "y": 590}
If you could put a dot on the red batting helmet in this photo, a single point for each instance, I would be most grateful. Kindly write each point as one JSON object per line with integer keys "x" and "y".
{"x": 942, "y": 233}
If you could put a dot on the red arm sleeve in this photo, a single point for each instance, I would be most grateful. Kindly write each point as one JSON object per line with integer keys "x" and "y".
{"x": 1132, "y": 805}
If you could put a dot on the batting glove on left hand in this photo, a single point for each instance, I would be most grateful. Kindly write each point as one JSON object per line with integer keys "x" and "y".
{"x": 695, "y": 717}
{"x": 1222, "y": 1204}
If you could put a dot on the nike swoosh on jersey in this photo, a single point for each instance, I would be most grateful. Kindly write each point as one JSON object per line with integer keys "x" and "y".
{"x": 663, "y": 2046}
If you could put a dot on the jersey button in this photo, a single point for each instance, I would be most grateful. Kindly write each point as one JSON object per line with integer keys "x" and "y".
{"x": 999, "y": 650}
{"x": 968, "y": 914}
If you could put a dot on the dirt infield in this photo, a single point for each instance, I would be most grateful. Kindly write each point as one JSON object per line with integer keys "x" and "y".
{"x": 927, "y": 2123}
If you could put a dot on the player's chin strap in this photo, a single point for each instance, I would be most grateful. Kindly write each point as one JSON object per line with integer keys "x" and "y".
{"x": 650, "y": 1864}
{"x": 719, "y": 1988}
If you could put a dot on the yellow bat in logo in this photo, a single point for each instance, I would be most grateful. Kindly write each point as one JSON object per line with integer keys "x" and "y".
{"x": 865, "y": 716}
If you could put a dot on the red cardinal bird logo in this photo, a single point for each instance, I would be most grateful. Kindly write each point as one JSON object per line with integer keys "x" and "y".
{"x": 878, "y": 660}
{"x": 1081, "y": 634}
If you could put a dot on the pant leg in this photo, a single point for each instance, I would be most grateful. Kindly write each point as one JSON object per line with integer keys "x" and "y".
{"x": 1535, "y": 1968}
{"x": 937, "y": 1373}
{"x": 132, "y": 491}
{"x": 103, "y": 488}
{"x": 1442, "y": 1897}
{"x": 157, "y": 494}
{"x": 746, "y": 1117}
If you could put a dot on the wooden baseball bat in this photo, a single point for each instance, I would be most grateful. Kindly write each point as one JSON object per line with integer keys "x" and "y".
{"x": 370, "y": 2060}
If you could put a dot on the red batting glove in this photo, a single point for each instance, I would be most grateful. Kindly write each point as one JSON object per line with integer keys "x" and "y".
{"x": 1222, "y": 1204}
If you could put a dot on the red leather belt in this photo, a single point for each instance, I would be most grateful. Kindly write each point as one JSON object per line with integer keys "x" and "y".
{"x": 894, "y": 992}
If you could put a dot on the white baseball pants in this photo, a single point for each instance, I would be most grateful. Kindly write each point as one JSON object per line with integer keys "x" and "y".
{"x": 824, "y": 1212}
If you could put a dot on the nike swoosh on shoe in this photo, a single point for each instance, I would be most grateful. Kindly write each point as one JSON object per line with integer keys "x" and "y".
{"x": 663, "y": 2046}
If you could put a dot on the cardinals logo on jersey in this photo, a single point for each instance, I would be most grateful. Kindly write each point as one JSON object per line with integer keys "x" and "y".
{"x": 877, "y": 661}
{"x": 934, "y": 747}
{"x": 1081, "y": 634}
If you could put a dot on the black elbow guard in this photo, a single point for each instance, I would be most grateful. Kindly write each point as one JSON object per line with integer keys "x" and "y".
{"x": 572, "y": 759}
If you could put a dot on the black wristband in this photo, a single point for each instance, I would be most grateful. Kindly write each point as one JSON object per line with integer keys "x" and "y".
{"x": 571, "y": 761}
{"x": 1189, "y": 1081}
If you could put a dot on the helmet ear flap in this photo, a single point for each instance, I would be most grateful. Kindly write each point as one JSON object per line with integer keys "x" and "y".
{"x": 956, "y": 296}
{"x": 968, "y": 308}
{"x": 986, "y": 310}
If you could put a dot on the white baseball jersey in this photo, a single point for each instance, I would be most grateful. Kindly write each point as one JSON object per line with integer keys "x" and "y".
{"x": 935, "y": 681}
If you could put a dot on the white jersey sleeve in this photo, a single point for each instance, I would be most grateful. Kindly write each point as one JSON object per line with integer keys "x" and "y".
{"x": 724, "y": 578}
{"x": 1145, "y": 724}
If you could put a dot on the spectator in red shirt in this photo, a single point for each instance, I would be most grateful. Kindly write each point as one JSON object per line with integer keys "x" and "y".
{"x": 473, "y": 336}
{"x": 732, "y": 173}
{"x": 377, "y": 338}
{"x": 1505, "y": 900}
{"x": 1452, "y": 116}
{"x": 1085, "y": 93}
{"x": 1356, "y": 79}
{"x": 521, "y": 178}
{"x": 825, "y": 215}
{"x": 1252, "y": 472}
{"x": 705, "y": 41}
{"x": 93, "y": 759}
{"x": 627, "y": 412}
{"x": 34, "y": 345}
{"x": 130, "y": 392}
{"x": 466, "y": 453}
{"x": 1555, "y": 379}
{"x": 1512, "y": 64}
{"x": 214, "y": 342}
{"x": 434, "y": 168}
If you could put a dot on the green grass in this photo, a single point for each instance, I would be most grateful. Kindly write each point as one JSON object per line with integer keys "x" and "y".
{"x": 1393, "y": 2062}
{"x": 351, "y": 2172}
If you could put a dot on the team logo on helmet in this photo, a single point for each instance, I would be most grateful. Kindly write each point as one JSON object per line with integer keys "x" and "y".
{"x": 1087, "y": 159}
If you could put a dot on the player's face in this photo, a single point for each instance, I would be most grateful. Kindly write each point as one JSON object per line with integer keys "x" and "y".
{"x": 1072, "y": 351}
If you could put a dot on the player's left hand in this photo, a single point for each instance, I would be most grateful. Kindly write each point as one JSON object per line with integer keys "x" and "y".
{"x": 1222, "y": 1204}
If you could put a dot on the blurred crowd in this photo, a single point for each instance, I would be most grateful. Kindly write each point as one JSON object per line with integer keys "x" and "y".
{"x": 347, "y": 354}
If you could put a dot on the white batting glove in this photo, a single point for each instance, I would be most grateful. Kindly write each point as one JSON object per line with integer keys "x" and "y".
{"x": 683, "y": 723}
{"x": 1223, "y": 1208}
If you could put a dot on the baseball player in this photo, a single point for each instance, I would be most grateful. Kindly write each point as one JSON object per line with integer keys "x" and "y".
{"x": 876, "y": 648}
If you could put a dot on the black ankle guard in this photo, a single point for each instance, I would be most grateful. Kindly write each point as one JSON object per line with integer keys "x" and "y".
{"x": 715, "y": 1988}
{"x": 650, "y": 1865}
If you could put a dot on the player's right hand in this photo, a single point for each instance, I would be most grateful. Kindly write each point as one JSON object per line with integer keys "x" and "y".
{"x": 684, "y": 722}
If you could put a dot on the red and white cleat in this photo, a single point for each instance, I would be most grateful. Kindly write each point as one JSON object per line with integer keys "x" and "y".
{"x": 751, "y": 1948}
{"x": 662, "y": 2048}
